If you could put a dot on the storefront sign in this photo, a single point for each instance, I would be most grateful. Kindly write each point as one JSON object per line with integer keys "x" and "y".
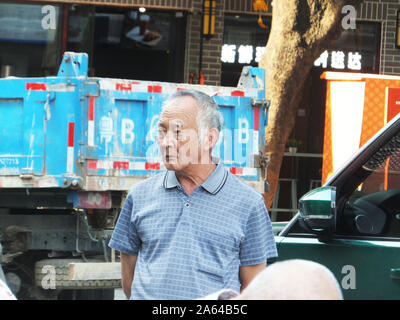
{"x": 339, "y": 60}
{"x": 246, "y": 53}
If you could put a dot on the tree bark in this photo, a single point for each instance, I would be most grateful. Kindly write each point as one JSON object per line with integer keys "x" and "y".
{"x": 301, "y": 30}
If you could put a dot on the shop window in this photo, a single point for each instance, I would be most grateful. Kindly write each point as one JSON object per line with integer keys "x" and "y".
{"x": 29, "y": 39}
{"x": 243, "y": 44}
{"x": 357, "y": 50}
{"x": 144, "y": 46}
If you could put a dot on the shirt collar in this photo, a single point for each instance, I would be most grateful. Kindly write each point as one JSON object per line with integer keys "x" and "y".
{"x": 170, "y": 180}
{"x": 213, "y": 184}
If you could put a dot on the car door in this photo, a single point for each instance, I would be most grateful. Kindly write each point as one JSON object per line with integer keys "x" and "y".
{"x": 364, "y": 249}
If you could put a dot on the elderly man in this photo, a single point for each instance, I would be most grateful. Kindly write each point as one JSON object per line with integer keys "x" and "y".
{"x": 195, "y": 228}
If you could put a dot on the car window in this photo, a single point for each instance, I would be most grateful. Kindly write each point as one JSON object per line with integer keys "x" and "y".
{"x": 373, "y": 206}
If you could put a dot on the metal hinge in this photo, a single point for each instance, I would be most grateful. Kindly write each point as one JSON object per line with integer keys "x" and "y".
{"x": 260, "y": 102}
{"x": 261, "y": 161}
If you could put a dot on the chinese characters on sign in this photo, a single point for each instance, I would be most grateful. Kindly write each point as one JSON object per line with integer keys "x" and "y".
{"x": 245, "y": 53}
{"x": 339, "y": 60}
{"x": 228, "y": 53}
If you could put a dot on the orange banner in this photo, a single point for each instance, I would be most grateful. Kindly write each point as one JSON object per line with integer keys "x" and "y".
{"x": 375, "y": 100}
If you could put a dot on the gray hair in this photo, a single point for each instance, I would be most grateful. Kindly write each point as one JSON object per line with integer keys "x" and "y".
{"x": 209, "y": 115}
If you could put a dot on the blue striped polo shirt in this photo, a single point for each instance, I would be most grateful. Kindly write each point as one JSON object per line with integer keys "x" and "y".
{"x": 189, "y": 246}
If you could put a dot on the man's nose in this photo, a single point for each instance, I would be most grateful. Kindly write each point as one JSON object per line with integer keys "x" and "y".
{"x": 168, "y": 140}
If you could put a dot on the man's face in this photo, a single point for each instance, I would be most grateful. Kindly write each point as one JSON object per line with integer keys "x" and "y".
{"x": 178, "y": 134}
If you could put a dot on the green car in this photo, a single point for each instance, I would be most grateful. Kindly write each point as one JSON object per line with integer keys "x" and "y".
{"x": 352, "y": 223}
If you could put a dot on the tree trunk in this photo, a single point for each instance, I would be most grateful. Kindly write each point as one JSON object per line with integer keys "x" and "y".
{"x": 301, "y": 30}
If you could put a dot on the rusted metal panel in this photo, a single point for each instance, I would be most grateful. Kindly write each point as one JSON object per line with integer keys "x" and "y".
{"x": 90, "y": 200}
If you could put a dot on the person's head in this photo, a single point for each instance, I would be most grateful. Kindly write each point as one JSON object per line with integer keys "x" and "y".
{"x": 293, "y": 280}
{"x": 188, "y": 129}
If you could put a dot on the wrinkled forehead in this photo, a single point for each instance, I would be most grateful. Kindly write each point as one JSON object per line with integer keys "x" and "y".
{"x": 179, "y": 112}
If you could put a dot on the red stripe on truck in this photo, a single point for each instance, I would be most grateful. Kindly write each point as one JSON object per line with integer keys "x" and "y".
{"x": 91, "y": 108}
{"x": 236, "y": 170}
{"x": 154, "y": 89}
{"x": 256, "y": 118}
{"x": 121, "y": 165}
{"x": 123, "y": 86}
{"x": 152, "y": 166}
{"x": 35, "y": 86}
{"x": 92, "y": 164}
{"x": 237, "y": 93}
{"x": 71, "y": 127}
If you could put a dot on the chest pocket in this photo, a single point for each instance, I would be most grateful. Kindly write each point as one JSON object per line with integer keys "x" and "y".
{"x": 218, "y": 247}
{"x": 217, "y": 238}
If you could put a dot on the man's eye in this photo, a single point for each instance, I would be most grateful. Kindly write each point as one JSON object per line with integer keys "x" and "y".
{"x": 179, "y": 134}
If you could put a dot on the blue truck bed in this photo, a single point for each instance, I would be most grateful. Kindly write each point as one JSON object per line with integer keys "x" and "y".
{"x": 98, "y": 134}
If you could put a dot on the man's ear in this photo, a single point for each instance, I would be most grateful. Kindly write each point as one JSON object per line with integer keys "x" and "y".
{"x": 211, "y": 139}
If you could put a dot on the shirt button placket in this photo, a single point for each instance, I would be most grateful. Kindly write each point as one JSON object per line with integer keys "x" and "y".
{"x": 185, "y": 218}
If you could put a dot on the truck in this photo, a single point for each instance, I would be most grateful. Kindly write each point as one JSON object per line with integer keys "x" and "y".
{"x": 351, "y": 224}
{"x": 71, "y": 148}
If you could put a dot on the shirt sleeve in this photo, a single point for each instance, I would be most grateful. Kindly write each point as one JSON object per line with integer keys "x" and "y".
{"x": 258, "y": 244}
{"x": 125, "y": 238}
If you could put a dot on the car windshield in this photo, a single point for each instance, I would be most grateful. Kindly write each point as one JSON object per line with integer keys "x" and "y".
{"x": 387, "y": 159}
{"x": 372, "y": 208}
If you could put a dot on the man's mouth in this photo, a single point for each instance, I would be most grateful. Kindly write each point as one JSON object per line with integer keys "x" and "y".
{"x": 170, "y": 158}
